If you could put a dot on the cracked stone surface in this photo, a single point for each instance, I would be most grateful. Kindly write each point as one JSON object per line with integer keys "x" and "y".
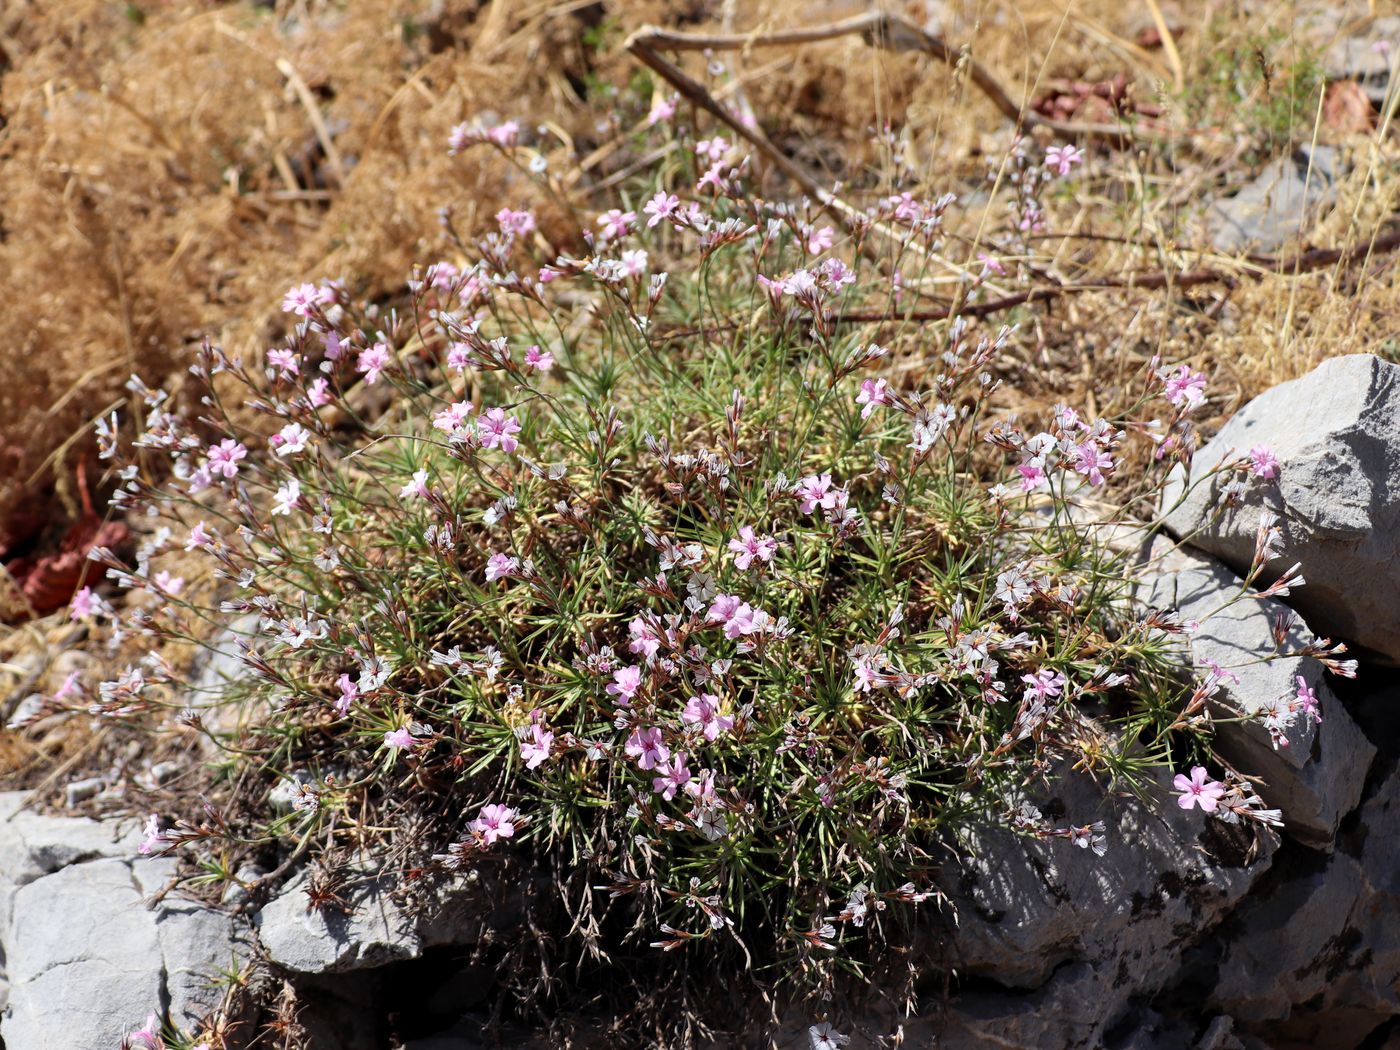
{"x": 1062, "y": 938}
{"x": 1318, "y": 778}
{"x": 85, "y": 958}
{"x": 1336, "y": 433}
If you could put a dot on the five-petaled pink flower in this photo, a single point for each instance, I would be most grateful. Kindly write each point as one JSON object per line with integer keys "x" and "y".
{"x": 304, "y": 299}
{"x": 372, "y": 360}
{"x": 872, "y": 392}
{"x": 1060, "y": 159}
{"x": 626, "y": 681}
{"x": 1262, "y": 462}
{"x": 1092, "y": 461}
{"x": 703, "y": 711}
{"x": 647, "y": 747}
{"x": 224, "y": 457}
{"x": 1198, "y": 790}
{"x": 450, "y": 419}
{"x": 499, "y": 566}
{"x": 616, "y": 223}
{"x": 815, "y": 491}
{"x": 673, "y": 776}
{"x": 515, "y": 223}
{"x": 498, "y": 430}
{"x": 1185, "y": 388}
{"x": 539, "y": 360}
{"x": 535, "y": 751}
{"x": 1306, "y": 698}
{"x": 662, "y": 206}
{"x": 400, "y": 739}
{"x": 495, "y": 822}
{"x": 747, "y": 546}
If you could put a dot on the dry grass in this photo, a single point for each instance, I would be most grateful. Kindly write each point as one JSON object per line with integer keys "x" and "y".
{"x": 168, "y": 169}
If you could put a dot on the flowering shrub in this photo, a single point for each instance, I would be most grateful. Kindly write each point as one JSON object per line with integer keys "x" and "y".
{"x": 676, "y": 578}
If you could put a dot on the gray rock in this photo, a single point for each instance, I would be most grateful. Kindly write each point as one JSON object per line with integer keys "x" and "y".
{"x": 1079, "y": 934}
{"x": 1315, "y": 960}
{"x": 1318, "y": 778}
{"x": 382, "y": 926}
{"x": 85, "y": 959}
{"x": 303, "y": 939}
{"x": 1278, "y": 205}
{"x": 81, "y": 790}
{"x": 1358, "y": 57}
{"x": 1336, "y": 433}
{"x": 88, "y": 960}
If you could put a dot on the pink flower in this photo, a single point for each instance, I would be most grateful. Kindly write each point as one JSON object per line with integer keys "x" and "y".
{"x": 815, "y": 491}
{"x": 1060, "y": 159}
{"x": 499, "y": 566}
{"x": 224, "y": 457}
{"x": 1306, "y": 698}
{"x": 1198, "y": 790}
{"x": 673, "y": 777}
{"x": 646, "y": 746}
{"x": 287, "y": 497}
{"x": 819, "y": 241}
{"x": 872, "y": 392}
{"x": 748, "y": 546}
{"x": 539, "y": 360}
{"x": 703, "y": 711}
{"x": 990, "y": 264}
{"x": 82, "y": 605}
{"x": 1092, "y": 461}
{"x": 626, "y": 681}
{"x": 616, "y": 223}
{"x": 147, "y": 1037}
{"x": 634, "y": 262}
{"x": 662, "y": 206}
{"x": 290, "y": 440}
{"x": 199, "y": 537}
{"x": 1032, "y": 476}
{"x": 1262, "y": 462}
{"x": 152, "y": 838}
{"x": 497, "y": 430}
{"x": 400, "y": 739}
{"x": 417, "y": 487}
{"x": 303, "y": 299}
{"x": 450, "y": 419}
{"x": 349, "y": 693}
{"x": 662, "y": 108}
{"x": 1185, "y": 388}
{"x": 515, "y": 223}
{"x": 535, "y": 751}
{"x": 713, "y": 149}
{"x": 1044, "y": 684}
{"x": 495, "y": 822}
{"x": 372, "y": 361}
{"x": 318, "y": 393}
{"x": 644, "y": 639}
{"x": 505, "y": 135}
{"x": 285, "y": 361}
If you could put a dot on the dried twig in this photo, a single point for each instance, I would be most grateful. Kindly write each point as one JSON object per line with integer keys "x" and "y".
{"x": 888, "y": 31}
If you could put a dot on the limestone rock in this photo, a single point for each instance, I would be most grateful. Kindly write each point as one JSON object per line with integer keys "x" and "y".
{"x": 1315, "y": 960}
{"x": 1318, "y": 778}
{"x": 1336, "y": 433}
{"x": 88, "y": 960}
{"x": 1278, "y": 205}
{"x": 1077, "y": 934}
{"x": 304, "y": 939}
